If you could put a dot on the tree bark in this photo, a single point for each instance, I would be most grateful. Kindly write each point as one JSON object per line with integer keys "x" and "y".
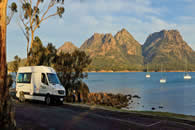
{"x": 6, "y": 109}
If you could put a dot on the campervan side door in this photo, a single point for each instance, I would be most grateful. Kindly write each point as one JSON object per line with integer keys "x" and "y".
{"x": 44, "y": 86}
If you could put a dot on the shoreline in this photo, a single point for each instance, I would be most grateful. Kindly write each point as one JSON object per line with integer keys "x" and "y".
{"x": 146, "y": 112}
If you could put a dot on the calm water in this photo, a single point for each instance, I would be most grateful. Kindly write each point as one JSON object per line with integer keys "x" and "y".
{"x": 177, "y": 95}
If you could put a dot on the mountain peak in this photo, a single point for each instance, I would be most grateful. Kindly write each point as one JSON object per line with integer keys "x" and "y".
{"x": 169, "y": 35}
{"x": 115, "y": 50}
{"x": 166, "y": 44}
{"x": 67, "y": 47}
{"x": 127, "y": 42}
{"x": 92, "y": 42}
{"x": 170, "y": 31}
{"x": 97, "y": 35}
{"x": 123, "y": 33}
{"x": 123, "y": 30}
{"x": 68, "y": 44}
{"x": 166, "y": 35}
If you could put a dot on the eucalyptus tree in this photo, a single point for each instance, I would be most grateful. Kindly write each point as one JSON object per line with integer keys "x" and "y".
{"x": 6, "y": 113}
{"x": 33, "y": 13}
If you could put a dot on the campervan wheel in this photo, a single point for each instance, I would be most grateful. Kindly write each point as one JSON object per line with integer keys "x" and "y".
{"x": 48, "y": 100}
{"x": 21, "y": 97}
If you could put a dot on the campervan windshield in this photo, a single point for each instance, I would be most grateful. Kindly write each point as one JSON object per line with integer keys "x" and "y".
{"x": 53, "y": 78}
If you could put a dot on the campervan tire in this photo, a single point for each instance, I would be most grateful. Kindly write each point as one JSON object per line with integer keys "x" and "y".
{"x": 21, "y": 97}
{"x": 48, "y": 99}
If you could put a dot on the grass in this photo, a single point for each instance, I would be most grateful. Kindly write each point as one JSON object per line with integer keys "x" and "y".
{"x": 154, "y": 114}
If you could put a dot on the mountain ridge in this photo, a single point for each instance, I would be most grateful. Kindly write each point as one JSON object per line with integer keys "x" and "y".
{"x": 120, "y": 50}
{"x": 167, "y": 44}
{"x": 123, "y": 52}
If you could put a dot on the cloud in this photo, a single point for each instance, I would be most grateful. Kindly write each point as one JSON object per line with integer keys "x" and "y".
{"x": 105, "y": 7}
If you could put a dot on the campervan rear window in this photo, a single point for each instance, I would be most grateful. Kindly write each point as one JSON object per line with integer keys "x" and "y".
{"x": 24, "y": 78}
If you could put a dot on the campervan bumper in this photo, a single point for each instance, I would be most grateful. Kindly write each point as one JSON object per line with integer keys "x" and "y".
{"x": 57, "y": 98}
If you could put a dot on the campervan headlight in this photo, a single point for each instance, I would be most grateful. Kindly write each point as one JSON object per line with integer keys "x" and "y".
{"x": 60, "y": 92}
{"x": 56, "y": 92}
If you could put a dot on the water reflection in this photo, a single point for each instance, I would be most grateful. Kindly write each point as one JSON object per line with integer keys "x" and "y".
{"x": 177, "y": 95}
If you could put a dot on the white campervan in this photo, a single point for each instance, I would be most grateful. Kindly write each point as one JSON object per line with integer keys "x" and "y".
{"x": 39, "y": 83}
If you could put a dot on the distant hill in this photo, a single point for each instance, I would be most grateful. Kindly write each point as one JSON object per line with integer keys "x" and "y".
{"x": 168, "y": 48}
{"x": 67, "y": 47}
{"x": 119, "y": 52}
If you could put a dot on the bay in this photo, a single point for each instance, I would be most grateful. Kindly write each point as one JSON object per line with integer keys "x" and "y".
{"x": 176, "y": 96}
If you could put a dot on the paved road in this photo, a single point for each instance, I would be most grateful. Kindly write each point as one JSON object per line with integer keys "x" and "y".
{"x": 39, "y": 116}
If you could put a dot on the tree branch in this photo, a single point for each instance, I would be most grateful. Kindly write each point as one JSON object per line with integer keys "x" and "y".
{"x": 35, "y": 11}
{"x": 25, "y": 34}
{"x": 45, "y": 19}
{"x": 51, "y": 4}
{"x": 10, "y": 17}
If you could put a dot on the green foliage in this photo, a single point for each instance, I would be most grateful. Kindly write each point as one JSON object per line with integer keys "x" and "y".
{"x": 37, "y": 53}
{"x": 15, "y": 64}
{"x": 13, "y": 7}
{"x": 50, "y": 55}
{"x": 60, "y": 11}
{"x": 70, "y": 68}
{"x": 40, "y": 55}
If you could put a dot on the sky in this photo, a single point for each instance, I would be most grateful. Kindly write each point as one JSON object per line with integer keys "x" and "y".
{"x": 82, "y": 18}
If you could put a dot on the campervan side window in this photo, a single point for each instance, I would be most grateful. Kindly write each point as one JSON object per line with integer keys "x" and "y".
{"x": 44, "y": 79}
{"x": 24, "y": 78}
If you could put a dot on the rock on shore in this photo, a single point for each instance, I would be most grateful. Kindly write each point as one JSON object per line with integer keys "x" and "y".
{"x": 108, "y": 99}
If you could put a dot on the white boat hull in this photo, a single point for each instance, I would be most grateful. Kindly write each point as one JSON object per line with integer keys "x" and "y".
{"x": 163, "y": 81}
{"x": 147, "y": 76}
{"x": 187, "y": 77}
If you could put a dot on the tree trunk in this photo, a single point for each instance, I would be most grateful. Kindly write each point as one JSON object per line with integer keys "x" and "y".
{"x": 29, "y": 49}
{"x": 6, "y": 109}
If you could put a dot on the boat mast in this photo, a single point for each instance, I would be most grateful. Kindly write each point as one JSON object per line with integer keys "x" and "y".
{"x": 147, "y": 67}
{"x": 161, "y": 70}
{"x": 186, "y": 66}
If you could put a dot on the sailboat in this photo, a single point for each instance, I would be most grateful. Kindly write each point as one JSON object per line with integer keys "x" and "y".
{"x": 162, "y": 79}
{"x": 186, "y": 74}
{"x": 147, "y": 74}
